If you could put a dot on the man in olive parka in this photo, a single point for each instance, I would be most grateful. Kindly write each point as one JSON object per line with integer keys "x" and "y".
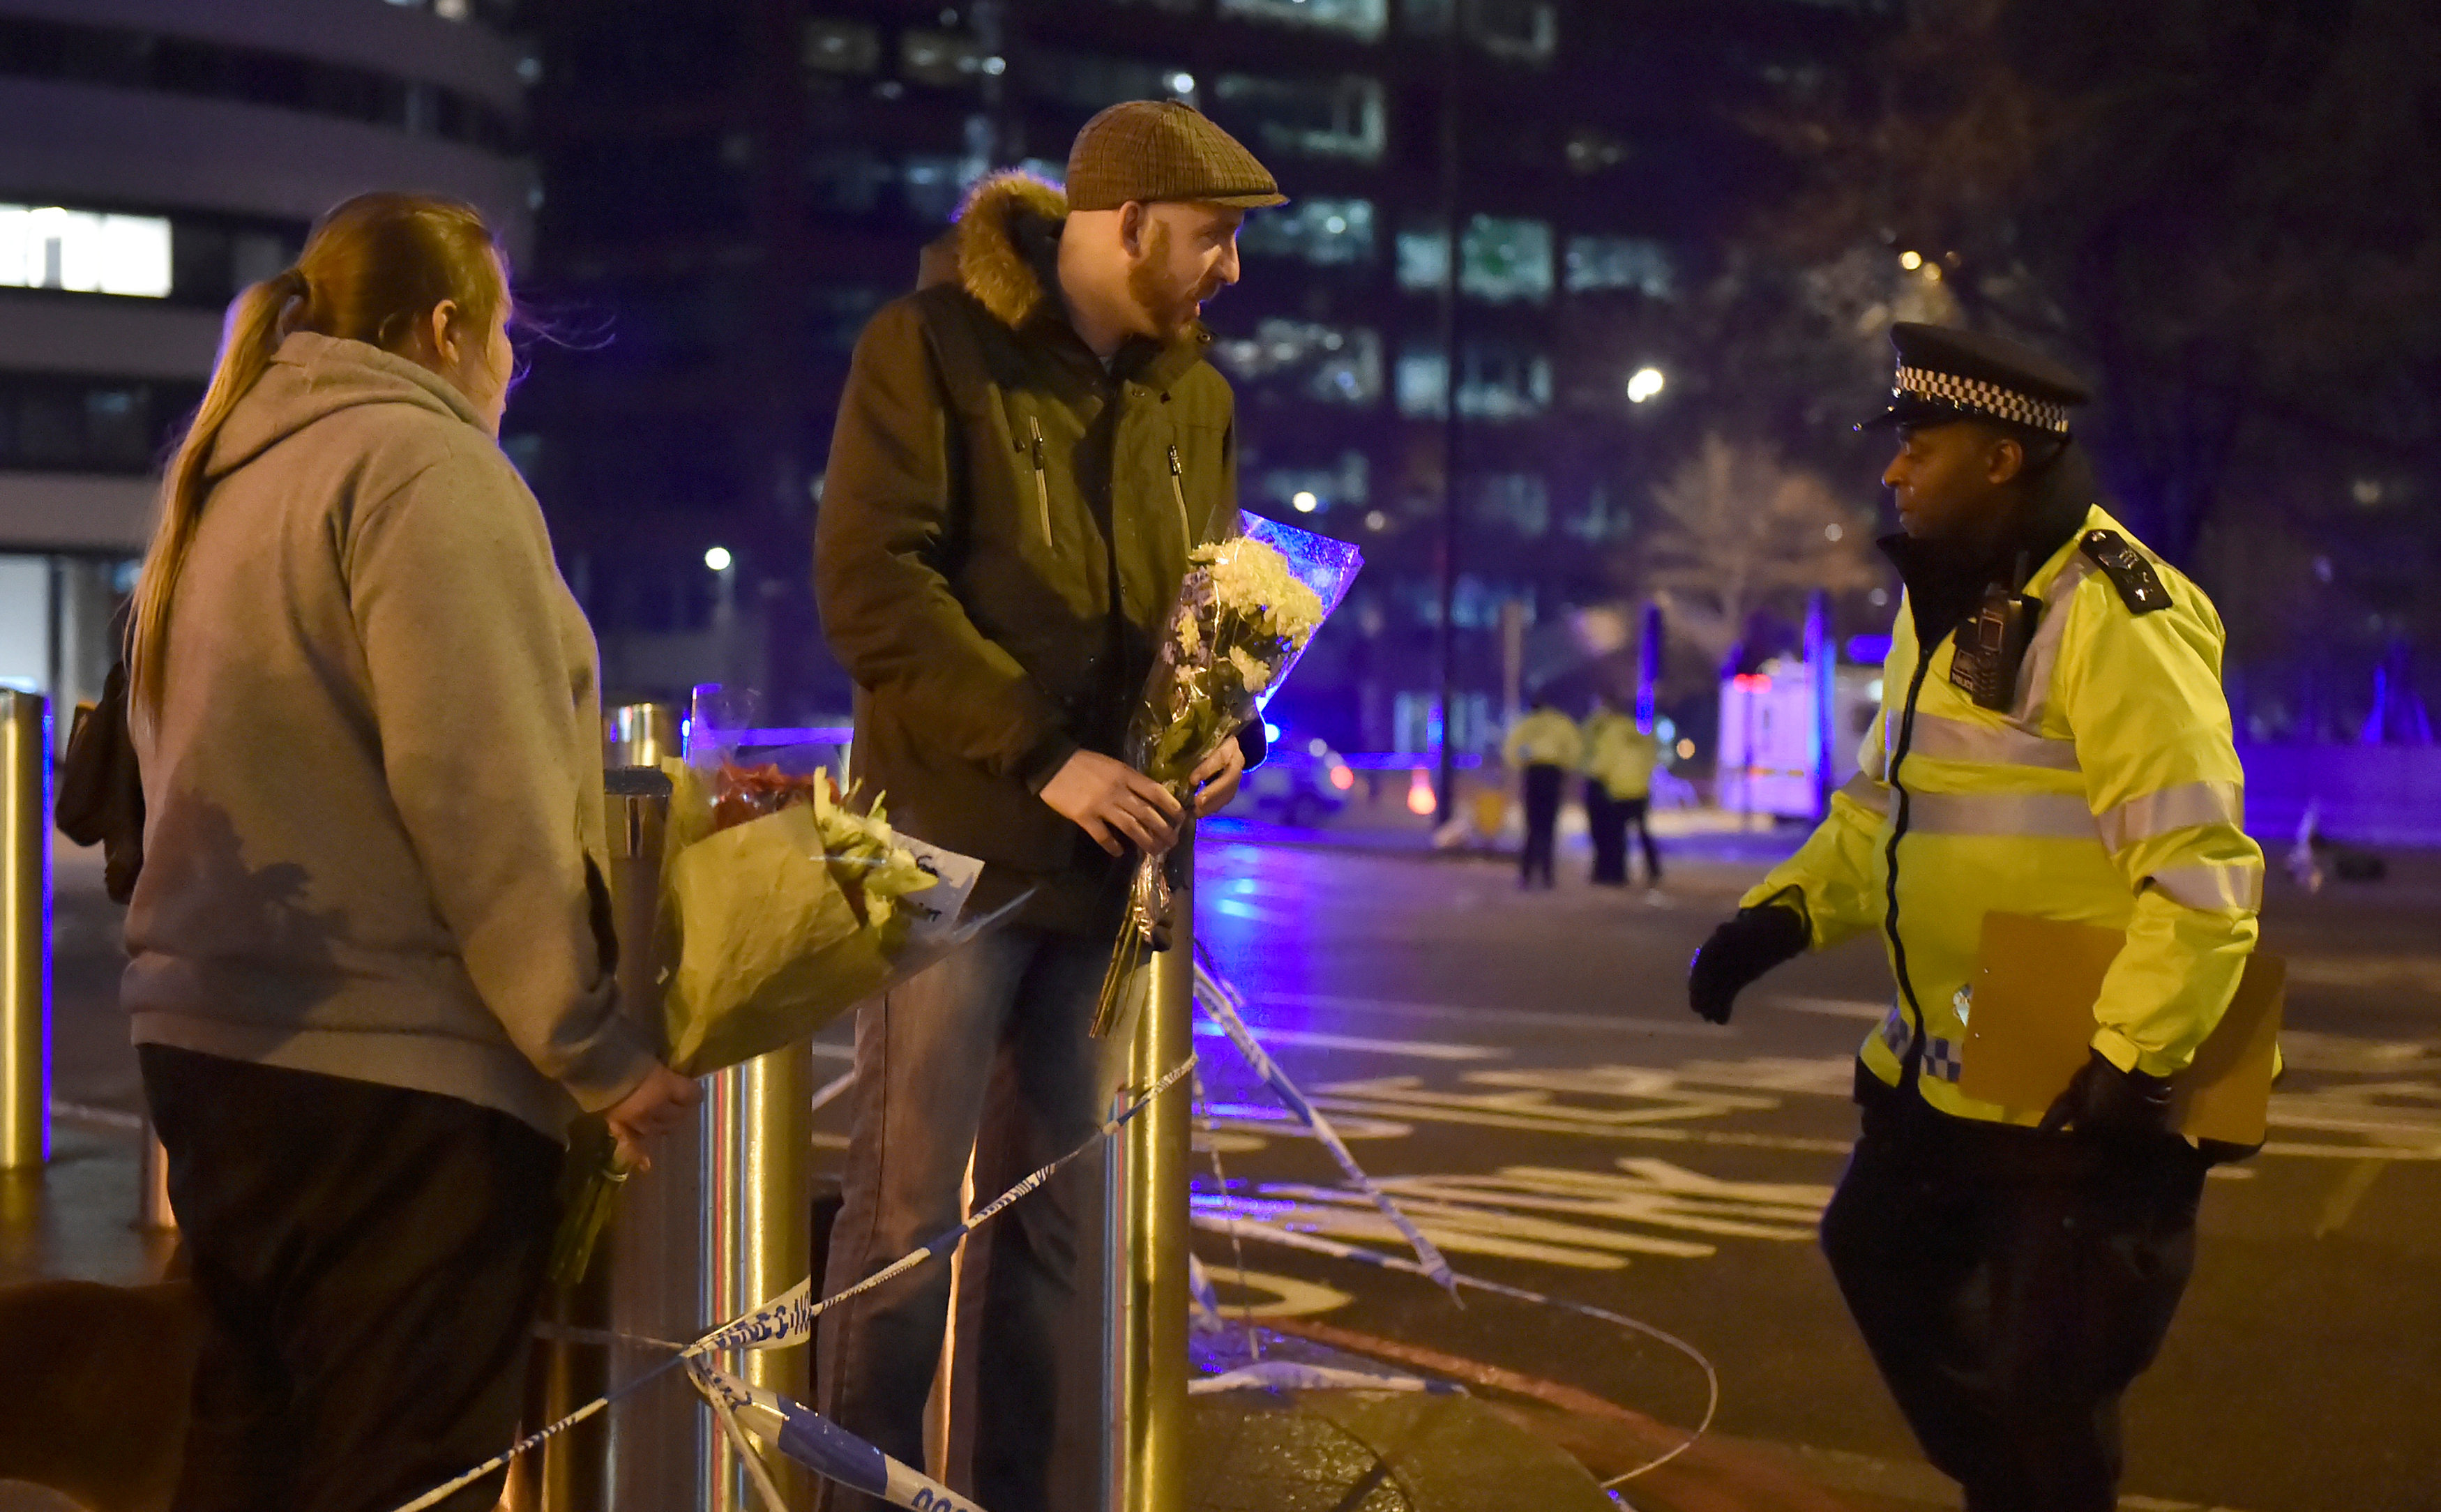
{"x": 1025, "y": 452}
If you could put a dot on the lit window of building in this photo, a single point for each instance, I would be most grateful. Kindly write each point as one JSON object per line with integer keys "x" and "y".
{"x": 1365, "y": 20}
{"x": 842, "y": 46}
{"x": 1499, "y": 382}
{"x": 1329, "y": 364}
{"x": 1423, "y": 258}
{"x": 48, "y": 248}
{"x": 1598, "y": 262}
{"x": 1345, "y": 117}
{"x": 1347, "y": 484}
{"x": 1504, "y": 261}
{"x": 1326, "y": 233}
{"x": 1517, "y": 31}
{"x": 944, "y": 59}
{"x": 935, "y": 187}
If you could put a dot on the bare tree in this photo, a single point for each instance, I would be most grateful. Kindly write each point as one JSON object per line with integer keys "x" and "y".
{"x": 1740, "y": 531}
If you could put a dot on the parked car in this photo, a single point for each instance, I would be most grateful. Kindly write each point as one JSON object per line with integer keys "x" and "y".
{"x": 1301, "y": 782}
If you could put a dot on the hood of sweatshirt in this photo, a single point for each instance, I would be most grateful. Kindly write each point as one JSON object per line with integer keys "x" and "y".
{"x": 312, "y": 376}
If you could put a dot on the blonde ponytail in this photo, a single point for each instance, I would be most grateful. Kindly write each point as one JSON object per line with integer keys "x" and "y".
{"x": 247, "y": 342}
{"x": 373, "y": 268}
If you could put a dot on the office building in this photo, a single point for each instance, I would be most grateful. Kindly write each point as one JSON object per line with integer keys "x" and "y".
{"x": 157, "y": 156}
{"x": 734, "y": 187}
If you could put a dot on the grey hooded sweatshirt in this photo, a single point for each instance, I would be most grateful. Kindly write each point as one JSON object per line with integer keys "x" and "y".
{"x": 374, "y": 789}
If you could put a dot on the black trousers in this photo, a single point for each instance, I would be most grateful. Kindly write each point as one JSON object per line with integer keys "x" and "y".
{"x": 1606, "y": 826}
{"x": 2011, "y": 1285}
{"x": 369, "y": 1260}
{"x": 1610, "y": 819}
{"x": 1543, "y": 783}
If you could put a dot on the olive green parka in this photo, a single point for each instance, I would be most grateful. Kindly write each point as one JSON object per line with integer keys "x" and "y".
{"x": 1004, "y": 528}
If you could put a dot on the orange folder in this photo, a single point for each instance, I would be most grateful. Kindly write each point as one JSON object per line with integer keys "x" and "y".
{"x": 2031, "y": 1023}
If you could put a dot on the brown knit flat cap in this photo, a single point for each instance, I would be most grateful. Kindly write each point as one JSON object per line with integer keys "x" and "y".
{"x": 1155, "y": 150}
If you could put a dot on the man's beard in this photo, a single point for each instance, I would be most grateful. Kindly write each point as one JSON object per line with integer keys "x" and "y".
{"x": 1170, "y": 309}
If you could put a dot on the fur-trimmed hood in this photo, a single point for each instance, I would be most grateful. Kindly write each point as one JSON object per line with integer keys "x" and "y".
{"x": 1005, "y": 253}
{"x": 1007, "y": 244}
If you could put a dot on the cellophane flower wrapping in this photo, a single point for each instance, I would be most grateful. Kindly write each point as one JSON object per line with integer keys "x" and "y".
{"x": 783, "y": 906}
{"x": 779, "y": 923}
{"x": 1246, "y": 611}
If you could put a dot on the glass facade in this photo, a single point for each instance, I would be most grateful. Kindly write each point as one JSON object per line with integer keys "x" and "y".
{"x": 1365, "y": 20}
{"x": 1322, "y": 232}
{"x": 1331, "y": 364}
{"x": 1345, "y": 117}
{"x": 1504, "y": 260}
{"x": 1598, "y": 262}
{"x": 133, "y": 57}
{"x": 73, "y": 424}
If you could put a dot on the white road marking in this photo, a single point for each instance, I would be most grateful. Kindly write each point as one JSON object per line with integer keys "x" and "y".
{"x": 1586, "y": 1220}
{"x": 2354, "y": 1183}
{"x": 2394, "y": 973}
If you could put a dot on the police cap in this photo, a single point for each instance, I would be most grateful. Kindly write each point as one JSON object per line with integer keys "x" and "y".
{"x": 1946, "y": 374}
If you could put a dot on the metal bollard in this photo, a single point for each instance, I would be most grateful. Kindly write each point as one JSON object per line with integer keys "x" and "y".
{"x": 153, "y": 1214}
{"x": 757, "y": 1238}
{"x": 723, "y": 1221}
{"x": 639, "y": 735}
{"x": 1145, "y": 1223}
{"x": 657, "y": 1439}
{"x": 25, "y": 930}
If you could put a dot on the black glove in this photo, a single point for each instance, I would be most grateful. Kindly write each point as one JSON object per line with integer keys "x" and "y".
{"x": 1757, "y": 940}
{"x": 2106, "y": 1102}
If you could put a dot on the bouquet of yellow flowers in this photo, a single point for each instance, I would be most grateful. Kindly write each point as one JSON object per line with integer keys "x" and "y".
{"x": 1248, "y": 608}
{"x": 781, "y": 906}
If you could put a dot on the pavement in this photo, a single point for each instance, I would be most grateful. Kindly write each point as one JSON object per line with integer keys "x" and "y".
{"x": 1520, "y": 1070}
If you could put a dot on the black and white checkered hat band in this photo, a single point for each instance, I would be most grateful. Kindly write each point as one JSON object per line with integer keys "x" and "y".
{"x": 1980, "y": 398}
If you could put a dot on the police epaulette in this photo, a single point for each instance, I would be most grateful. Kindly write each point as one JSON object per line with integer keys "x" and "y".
{"x": 2140, "y": 587}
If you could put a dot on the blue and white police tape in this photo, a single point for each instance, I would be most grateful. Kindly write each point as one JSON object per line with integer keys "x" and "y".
{"x": 824, "y": 1448}
{"x": 788, "y": 1318}
{"x": 1209, "y": 1214}
{"x": 1221, "y": 1000}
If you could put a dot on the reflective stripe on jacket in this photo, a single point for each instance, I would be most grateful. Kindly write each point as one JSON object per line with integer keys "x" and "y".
{"x": 2110, "y": 793}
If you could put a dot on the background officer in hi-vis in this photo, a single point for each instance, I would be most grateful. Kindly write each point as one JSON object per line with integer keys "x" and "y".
{"x": 2054, "y": 740}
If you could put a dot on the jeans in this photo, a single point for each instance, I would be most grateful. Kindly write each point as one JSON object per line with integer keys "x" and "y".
{"x": 368, "y": 1259}
{"x": 986, "y": 1053}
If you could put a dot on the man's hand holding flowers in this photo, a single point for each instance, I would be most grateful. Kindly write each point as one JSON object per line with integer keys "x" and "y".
{"x": 1215, "y": 781}
{"x": 1115, "y": 803}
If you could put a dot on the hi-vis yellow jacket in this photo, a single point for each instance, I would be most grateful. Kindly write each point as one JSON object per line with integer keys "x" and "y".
{"x": 2110, "y": 793}
{"x": 1545, "y": 738}
{"x": 1619, "y": 756}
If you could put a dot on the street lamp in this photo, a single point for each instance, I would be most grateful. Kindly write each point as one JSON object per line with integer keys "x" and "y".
{"x": 1305, "y": 502}
{"x": 1644, "y": 385}
{"x": 718, "y": 558}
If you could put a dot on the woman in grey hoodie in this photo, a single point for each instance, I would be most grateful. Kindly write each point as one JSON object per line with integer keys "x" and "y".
{"x": 371, "y": 968}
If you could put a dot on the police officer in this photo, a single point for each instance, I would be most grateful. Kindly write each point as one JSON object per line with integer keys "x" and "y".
{"x": 2054, "y": 740}
{"x": 1619, "y": 760}
{"x": 1544, "y": 748}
